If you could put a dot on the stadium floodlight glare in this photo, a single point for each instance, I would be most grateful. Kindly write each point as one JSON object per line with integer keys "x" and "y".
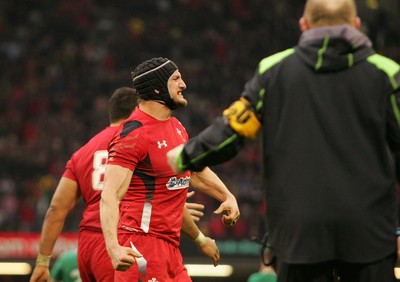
{"x": 208, "y": 270}
{"x": 15, "y": 268}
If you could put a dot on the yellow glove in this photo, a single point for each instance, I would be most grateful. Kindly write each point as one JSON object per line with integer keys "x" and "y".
{"x": 242, "y": 119}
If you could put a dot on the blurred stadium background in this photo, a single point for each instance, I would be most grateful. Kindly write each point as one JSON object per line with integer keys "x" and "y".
{"x": 61, "y": 60}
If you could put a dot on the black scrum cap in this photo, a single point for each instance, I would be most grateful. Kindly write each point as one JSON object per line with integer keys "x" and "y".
{"x": 153, "y": 75}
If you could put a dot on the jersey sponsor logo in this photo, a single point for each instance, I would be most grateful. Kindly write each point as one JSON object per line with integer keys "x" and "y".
{"x": 152, "y": 280}
{"x": 175, "y": 183}
{"x": 162, "y": 143}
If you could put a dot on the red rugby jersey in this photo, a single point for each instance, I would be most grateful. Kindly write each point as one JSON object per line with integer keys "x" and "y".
{"x": 86, "y": 167}
{"x": 154, "y": 201}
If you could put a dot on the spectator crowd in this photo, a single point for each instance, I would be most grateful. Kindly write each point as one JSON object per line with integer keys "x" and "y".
{"x": 61, "y": 60}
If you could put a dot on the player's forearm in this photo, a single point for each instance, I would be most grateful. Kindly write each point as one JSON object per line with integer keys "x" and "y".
{"x": 191, "y": 230}
{"x": 109, "y": 216}
{"x": 209, "y": 183}
{"x": 206, "y": 245}
{"x": 64, "y": 199}
{"x": 189, "y": 227}
{"x": 116, "y": 184}
{"x": 52, "y": 227}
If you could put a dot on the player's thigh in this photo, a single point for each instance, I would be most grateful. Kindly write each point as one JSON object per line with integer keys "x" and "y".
{"x": 93, "y": 261}
{"x": 152, "y": 266}
{"x": 161, "y": 260}
{"x": 176, "y": 265}
{"x": 102, "y": 268}
{"x": 84, "y": 257}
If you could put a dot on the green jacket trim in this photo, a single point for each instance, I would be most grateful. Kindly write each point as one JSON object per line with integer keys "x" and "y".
{"x": 272, "y": 60}
{"x": 387, "y": 65}
{"x": 321, "y": 53}
{"x": 396, "y": 111}
{"x": 391, "y": 68}
{"x": 183, "y": 167}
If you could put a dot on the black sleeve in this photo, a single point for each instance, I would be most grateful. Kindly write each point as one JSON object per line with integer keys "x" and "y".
{"x": 393, "y": 124}
{"x": 216, "y": 144}
{"x": 219, "y": 143}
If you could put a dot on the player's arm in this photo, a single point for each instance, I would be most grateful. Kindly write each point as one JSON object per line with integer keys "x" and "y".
{"x": 116, "y": 183}
{"x": 64, "y": 199}
{"x": 206, "y": 245}
{"x": 209, "y": 183}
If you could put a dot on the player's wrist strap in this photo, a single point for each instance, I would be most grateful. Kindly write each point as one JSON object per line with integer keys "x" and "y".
{"x": 43, "y": 260}
{"x": 201, "y": 239}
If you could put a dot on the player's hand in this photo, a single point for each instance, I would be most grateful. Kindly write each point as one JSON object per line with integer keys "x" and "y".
{"x": 230, "y": 210}
{"x": 211, "y": 250}
{"x": 40, "y": 274}
{"x": 194, "y": 209}
{"x": 122, "y": 258}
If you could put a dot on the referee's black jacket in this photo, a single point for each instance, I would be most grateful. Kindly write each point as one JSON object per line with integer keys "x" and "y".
{"x": 330, "y": 114}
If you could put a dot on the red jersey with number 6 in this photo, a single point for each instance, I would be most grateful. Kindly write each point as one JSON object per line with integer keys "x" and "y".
{"x": 156, "y": 196}
{"x": 86, "y": 167}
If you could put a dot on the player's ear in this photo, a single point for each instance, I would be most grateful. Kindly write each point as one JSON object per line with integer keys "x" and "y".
{"x": 303, "y": 24}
